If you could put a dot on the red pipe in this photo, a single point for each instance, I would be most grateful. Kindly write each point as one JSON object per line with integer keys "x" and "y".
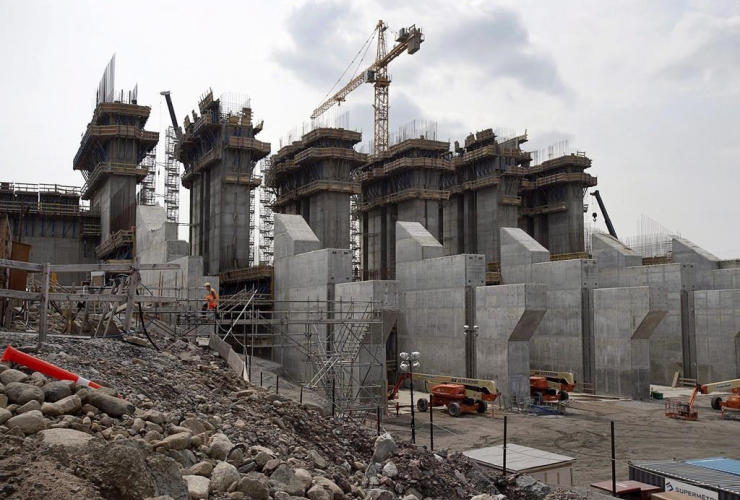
{"x": 35, "y": 364}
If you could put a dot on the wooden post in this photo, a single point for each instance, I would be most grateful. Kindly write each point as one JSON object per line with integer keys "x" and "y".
{"x": 133, "y": 284}
{"x": 43, "y": 317}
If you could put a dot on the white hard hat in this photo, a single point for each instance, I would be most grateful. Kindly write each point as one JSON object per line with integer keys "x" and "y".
{"x": 207, "y": 284}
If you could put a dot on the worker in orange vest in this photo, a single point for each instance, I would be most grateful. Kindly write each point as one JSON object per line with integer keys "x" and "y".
{"x": 211, "y": 299}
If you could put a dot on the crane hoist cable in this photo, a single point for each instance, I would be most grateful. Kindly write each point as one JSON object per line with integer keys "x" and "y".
{"x": 367, "y": 42}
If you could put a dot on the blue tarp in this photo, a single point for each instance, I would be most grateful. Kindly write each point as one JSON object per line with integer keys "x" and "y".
{"x": 722, "y": 464}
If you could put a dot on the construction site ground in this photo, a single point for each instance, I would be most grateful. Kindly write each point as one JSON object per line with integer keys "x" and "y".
{"x": 642, "y": 432}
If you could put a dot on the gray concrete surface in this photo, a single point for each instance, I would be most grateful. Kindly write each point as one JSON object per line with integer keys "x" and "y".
{"x": 624, "y": 321}
{"x": 508, "y": 316}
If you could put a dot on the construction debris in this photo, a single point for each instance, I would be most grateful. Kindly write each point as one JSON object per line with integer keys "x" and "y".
{"x": 193, "y": 429}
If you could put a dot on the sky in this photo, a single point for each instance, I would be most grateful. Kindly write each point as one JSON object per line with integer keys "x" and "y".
{"x": 647, "y": 89}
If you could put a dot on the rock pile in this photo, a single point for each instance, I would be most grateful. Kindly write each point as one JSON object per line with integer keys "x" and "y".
{"x": 178, "y": 423}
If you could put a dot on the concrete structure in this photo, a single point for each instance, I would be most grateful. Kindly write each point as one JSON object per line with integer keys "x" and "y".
{"x": 507, "y": 316}
{"x": 109, "y": 157}
{"x": 624, "y": 321}
{"x": 484, "y": 193}
{"x": 559, "y": 343}
{"x": 436, "y": 298}
{"x": 401, "y": 184}
{"x": 303, "y": 273}
{"x": 51, "y": 219}
{"x": 550, "y": 468}
{"x": 370, "y": 366}
{"x": 156, "y": 242}
{"x": 311, "y": 177}
{"x": 465, "y": 196}
{"x": 219, "y": 150}
{"x": 552, "y": 202}
{"x": 717, "y": 330}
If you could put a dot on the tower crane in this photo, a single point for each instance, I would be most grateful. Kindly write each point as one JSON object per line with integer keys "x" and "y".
{"x": 409, "y": 39}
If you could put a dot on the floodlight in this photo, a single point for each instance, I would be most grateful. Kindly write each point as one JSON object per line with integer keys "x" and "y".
{"x": 404, "y": 355}
{"x": 415, "y": 355}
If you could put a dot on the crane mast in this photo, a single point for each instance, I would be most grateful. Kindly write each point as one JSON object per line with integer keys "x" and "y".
{"x": 408, "y": 39}
{"x": 382, "y": 105}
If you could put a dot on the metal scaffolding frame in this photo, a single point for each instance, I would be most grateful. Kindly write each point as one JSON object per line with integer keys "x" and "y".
{"x": 149, "y": 184}
{"x": 171, "y": 178}
{"x": 341, "y": 343}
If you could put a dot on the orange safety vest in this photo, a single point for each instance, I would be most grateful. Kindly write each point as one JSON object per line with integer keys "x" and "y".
{"x": 212, "y": 299}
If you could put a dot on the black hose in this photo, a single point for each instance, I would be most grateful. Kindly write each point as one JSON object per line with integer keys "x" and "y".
{"x": 143, "y": 325}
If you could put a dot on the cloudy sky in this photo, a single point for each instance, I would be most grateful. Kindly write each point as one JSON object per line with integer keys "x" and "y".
{"x": 648, "y": 89}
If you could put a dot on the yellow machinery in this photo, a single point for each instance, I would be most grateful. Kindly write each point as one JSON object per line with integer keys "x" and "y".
{"x": 550, "y": 386}
{"x": 730, "y": 408}
{"x": 459, "y": 395}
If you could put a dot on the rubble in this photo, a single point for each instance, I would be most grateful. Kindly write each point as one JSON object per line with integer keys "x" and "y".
{"x": 196, "y": 430}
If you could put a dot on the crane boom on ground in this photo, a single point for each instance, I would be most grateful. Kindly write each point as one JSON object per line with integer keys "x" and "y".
{"x": 408, "y": 39}
{"x": 166, "y": 94}
{"x": 607, "y": 220}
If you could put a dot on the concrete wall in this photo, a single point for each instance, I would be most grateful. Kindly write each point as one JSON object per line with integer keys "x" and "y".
{"x": 329, "y": 218}
{"x": 672, "y": 345}
{"x": 304, "y": 274}
{"x": 717, "y": 315}
{"x": 507, "y": 317}
{"x": 624, "y": 321}
{"x": 612, "y": 257}
{"x": 704, "y": 263}
{"x": 56, "y": 241}
{"x": 564, "y": 339}
{"x": 519, "y": 251}
{"x": 436, "y": 299}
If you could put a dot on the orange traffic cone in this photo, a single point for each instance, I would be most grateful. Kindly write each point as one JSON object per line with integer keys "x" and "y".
{"x": 16, "y": 356}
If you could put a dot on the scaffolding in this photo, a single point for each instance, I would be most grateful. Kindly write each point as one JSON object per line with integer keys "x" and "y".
{"x": 338, "y": 345}
{"x": 355, "y": 237}
{"x": 267, "y": 220}
{"x": 171, "y": 178}
{"x": 149, "y": 184}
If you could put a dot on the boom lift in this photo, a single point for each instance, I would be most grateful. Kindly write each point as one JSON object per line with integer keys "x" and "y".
{"x": 607, "y": 220}
{"x": 459, "y": 395}
{"x": 730, "y": 408}
{"x": 409, "y": 39}
{"x": 550, "y": 386}
{"x": 166, "y": 94}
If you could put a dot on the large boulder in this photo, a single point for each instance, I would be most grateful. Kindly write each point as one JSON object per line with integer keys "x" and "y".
{"x": 9, "y": 376}
{"x": 69, "y": 439}
{"x": 378, "y": 494}
{"x": 65, "y": 406}
{"x": 20, "y": 393}
{"x": 335, "y": 491}
{"x": 29, "y": 423}
{"x": 127, "y": 470}
{"x": 318, "y": 493}
{"x": 114, "y": 407}
{"x": 220, "y": 446}
{"x": 223, "y": 476}
{"x": 4, "y": 415}
{"x": 255, "y": 486}
{"x": 59, "y": 389}
{"x": 179, "y": 441}
{"x": 533, "y": 488}
{"x": 198, "y": 487}
{"x": 284, "y": 479}
{"x": 384, "y": 448}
